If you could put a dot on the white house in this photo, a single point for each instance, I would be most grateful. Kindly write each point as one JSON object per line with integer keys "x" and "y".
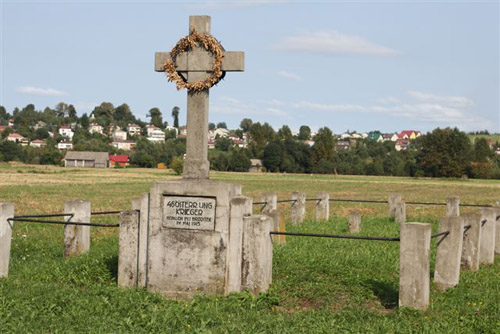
{"x": 126, "y": 145}
{"x": 155, "y": 134}
{"x": 65, "y": 131}
{"x": 221, "y": 132}
{"x": 95, "y": 128}
{"x": 40, "y": 125}
{"x": 65, "y": 145}
{"x": 17, "y": 138}
{"x": 134, "y": 130}
{"x": 38, "y": 143}
{"x": 119, "y": 134}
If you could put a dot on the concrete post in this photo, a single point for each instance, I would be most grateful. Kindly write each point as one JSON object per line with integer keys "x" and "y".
{"x": 497, "y": 230}
{"x": 257, "y": 265}
{"x": 77, "y": 238}
{"x": 6, "y": 212}
{"x": 141, "y": 204}
{"x": 453, "y": 206}
{"x": 271, "y": 200}
{"x": 471, "y": 244}
{"x": 282, "y": 228}
{"x": 394, "y": 199}
{"x": 400, "y": 212}
{"x": 323, "y": 206}
{"x": 414, "y": 265}
{"x": 239, "y": 208}
{"x": 354, "y": 221}
{"x": 298, "y": 207}
{"x": 487, "y": 243}
{"x": 276, "y": 218}
{"x": 128, "y": 254}
{"x": 449, "y": 252}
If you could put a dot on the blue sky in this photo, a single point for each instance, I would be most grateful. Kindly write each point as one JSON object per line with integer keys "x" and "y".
{"x": 346, "y": 65}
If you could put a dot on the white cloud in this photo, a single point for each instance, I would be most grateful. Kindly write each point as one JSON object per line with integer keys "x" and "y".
{"x": 456, "y": 101}
{"x": 37, "y": 91}
{"x": 332, "y": 42}
{"x": 289, "y": 75}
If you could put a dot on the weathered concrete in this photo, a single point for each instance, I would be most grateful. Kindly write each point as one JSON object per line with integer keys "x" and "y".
{"x": 271, "y": 200}
{"x": 77, "y": 238}
{"x": 141, "y": 204}
{"x": 298, "y": 208}
{"x": 394, "y": 199}
{"x": 453, "y": 206}
{"x": 323, "y": 206}
{"x": 183, "y": 262}
{"x": 257, "y": 266}
{"x": 414, "y": 265}
{"x": 471, "y": 244}
{"x": 354, "y": 221}
{"x": 497, "y": 230}
{"x": 240, "y": 207}
{"x": 449, "y": 252}
{"x": 6, "y": 212}
{"x": 400, "y": 212}
{"x": 488, "y": 231}
{"x": 281, "y": 239}
{"x": 276, "y": 218}
{"x": 128, "y": 254}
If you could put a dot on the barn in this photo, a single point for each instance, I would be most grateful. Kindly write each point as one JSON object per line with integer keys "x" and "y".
{"x": 86, "y": 159}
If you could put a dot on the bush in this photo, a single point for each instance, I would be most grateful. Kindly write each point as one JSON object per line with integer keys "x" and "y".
{"x": 177, "y": 165}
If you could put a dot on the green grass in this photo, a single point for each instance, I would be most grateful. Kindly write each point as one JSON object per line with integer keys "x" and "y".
{"x": 319, "y": 285}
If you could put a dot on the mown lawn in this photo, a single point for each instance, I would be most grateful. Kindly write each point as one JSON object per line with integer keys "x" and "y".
{"x": 319, "y": 285}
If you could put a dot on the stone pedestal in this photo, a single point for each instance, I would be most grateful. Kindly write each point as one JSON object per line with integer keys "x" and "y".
{"x": 453, "y": 206}
{"x": 472, "y": 237}
{"x": 77, "y": 237}
{"x": 400, "y": 212}
{"x": 323, "y": 207}
{"x": 497, "y": 230}
{"x": 449, "y": 252}
{"x": 6, "y": 212}
{"x": 488, "y": 231}
{"x": 354, "y": 221}
{"x": 189, "y": 237}
{"x": 128, "y": 254}
{"x": 414, "y": 265}
{"x": 298, "y": 209}
{"x": 271, "y": 200}
{"x": 394, "y": 199}
{"x": 141, "y": 205}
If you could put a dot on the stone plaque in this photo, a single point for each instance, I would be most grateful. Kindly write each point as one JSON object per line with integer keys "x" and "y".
{"x": 194, "y": 213}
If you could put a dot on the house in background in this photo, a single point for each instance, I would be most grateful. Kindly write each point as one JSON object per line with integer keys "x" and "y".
{"x": 17, "y": 138}
{"x": 119, "y": 134}
{"x": 65, "y": 145}
{"x": 402, "y": 144}
{"x": 66, "y": 131}
{"x": 343, "y": 145}
{"x": 256, "y": 166}
{"x": 38, "y": 143}
{"x": 126, "y": 145}
{"x": 40, "y": 125}
{"x": 409, "y": 134}
{"x": 155, "y": 134}
{"x": 134, "y": 130}
{"x": 86, "y": 159}
{"x": 121, "y": 160}
{"x": 95, "y": 128}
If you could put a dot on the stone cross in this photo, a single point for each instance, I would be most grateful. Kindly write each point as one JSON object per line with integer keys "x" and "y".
{"x": 193, "y": 66}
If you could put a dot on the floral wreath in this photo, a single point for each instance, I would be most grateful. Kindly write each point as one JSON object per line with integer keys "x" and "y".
{"x": 192, "y": 40}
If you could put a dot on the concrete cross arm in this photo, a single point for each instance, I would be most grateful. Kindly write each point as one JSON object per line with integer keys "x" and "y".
{"x": 202, "y": 61}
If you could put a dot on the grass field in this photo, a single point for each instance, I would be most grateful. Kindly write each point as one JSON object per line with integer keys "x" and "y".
{"x": 319, "y": 285}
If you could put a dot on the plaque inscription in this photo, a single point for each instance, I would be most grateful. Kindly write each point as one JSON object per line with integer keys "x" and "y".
{"x": 195, "y": 213}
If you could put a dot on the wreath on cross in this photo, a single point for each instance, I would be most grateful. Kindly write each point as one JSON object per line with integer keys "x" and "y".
{"x": 187, "y": 43}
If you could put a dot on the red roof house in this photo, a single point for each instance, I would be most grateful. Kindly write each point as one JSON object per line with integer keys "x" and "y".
{"x": 121, "y": 160}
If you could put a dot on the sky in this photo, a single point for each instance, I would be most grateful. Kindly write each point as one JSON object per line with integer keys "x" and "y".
{"x": 360, "y": 65}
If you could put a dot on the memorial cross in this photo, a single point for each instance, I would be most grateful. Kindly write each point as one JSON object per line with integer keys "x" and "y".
{"x": 196, "y": 65}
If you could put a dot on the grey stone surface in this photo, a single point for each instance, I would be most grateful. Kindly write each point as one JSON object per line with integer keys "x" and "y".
{"x": 276, "y": 218}
{"x": 471, "y": 244}
{"x": 449, "y": 252}
{"x": 394, "y": 199}
{"x": 240, "y": 207}
{"x": 128, "y": 260}
{"x": 141, "y": 204}
{"x": 497, "y": 230}
{"x": 400, "y": 212}
{"x": 354, "y": 221}
{"x": 453, "y": 206}
{"x": 414, "y": 265}
{"x": 298, "y": 208}
{"x": 184, "y": 262}
{"x": 77, "y": 238}
{"x": 271, "y": 200}
{"x": 6, "y": 212}
{"x": 488, "y": 231}
{"x": 233, "y": 61}
{"x": 257, "y": 263}
{"x": 323, "y": 206}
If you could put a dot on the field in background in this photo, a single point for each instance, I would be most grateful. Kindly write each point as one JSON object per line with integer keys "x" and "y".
{"x": 494, "y": 137}
{"x": 319, "y": 285}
